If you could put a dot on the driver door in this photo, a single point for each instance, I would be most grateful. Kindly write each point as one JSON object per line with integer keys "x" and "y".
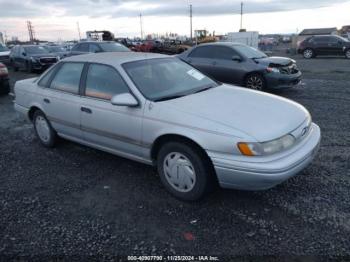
{"x": 117, "y": 128}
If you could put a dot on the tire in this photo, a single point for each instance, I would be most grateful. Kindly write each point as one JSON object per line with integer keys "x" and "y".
{"x": 198, "y": 180}
{"x": 43, "y": 129}
{"x": 255, "y": 82}
{"x": 308, "y": 53}
{"x": 347, "y": 54}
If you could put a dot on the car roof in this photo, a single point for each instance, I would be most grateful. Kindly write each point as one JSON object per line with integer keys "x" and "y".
{"x": 96, "y": 42}
{"x": 114, "y": 58}
{"x": 222, "y": 44}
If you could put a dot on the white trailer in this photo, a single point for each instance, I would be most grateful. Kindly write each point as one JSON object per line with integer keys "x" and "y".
{"x": 250, "y": 38}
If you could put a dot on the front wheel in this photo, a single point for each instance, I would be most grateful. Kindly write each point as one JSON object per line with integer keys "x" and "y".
{"x": 308, "y": 53}
{"x": 184, "y": 171}
{"x": 43, "y": 129}
{"x": 255, "y": 82}
{"x": 347, "y": 54}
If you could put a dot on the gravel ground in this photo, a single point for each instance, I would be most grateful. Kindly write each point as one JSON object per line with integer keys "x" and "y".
{"x": 77, "y": 201}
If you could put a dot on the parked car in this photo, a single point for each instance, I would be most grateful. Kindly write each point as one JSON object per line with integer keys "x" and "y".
{"x": 31, "y": 57}
{"x": 57, "y": 50}
{"x": 148, "y": 46}
{"x": 4, "y": 80}
{"x": 243, "y": 65}
{"x": 324, "y": 45}
{"x": 4, "y": 54}
{"x": 158, "y": 110}
{"x": 97, "y": 47}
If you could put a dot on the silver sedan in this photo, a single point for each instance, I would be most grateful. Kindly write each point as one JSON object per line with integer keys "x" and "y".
{"x": 161, "y": 111}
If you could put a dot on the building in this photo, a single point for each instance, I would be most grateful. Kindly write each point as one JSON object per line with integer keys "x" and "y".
{"x": 316, "y": 31}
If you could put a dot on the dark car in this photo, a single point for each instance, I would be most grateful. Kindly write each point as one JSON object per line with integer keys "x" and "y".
{"x": 57, "y": 50}
{"x": 98, "y": 47}
{"x": 243, "y": 65}
{"x": 332, "y": 45}
{"x": 4, "y": 54}
{"x": 31, "y": 57}
{"x": 4, "y": 80}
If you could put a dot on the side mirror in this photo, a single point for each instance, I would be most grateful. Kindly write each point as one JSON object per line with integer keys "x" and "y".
{"x": 236, "y": 58}
{"x": 24, "y": 54}
{"x": 125, "y": 99}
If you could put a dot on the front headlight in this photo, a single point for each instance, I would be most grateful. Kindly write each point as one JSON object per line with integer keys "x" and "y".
{"x": 266, "y": 148}
{"x": 58, "y": 58}
{"x": 273, "y": 70}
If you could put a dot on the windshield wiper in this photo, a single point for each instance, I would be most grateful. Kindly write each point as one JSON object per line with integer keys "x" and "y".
{"x": 204, "y": 89}
{"x": 167, "y": 98}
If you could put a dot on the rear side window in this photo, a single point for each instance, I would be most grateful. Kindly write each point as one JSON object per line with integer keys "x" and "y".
{"x": 104, "y": 82}
{"x": 322, "y": 39}
{"x": 223, "y": 53}
{"x": 68, "y": 77}
{"x": 202, "y": 52}
{"x": 44, "y": 81}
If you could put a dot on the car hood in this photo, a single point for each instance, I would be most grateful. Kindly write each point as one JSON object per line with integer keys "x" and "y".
{"x": 261, "y": 116}
{"x": 275, "y": 61}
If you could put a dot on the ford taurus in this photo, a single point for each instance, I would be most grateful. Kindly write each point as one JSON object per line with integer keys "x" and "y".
{"x": 159, "y": 110}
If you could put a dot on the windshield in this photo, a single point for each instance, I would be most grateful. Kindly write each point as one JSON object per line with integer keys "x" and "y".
{"x": 53, "y": 49}
{"x": 249, "y": 52}
{"x": 113, "y": 47}
{"x": 343, "y": 38}
{"x": 166, "y": 78}
{"x": 35, "y": 50}
{"x": 3, "y": 48}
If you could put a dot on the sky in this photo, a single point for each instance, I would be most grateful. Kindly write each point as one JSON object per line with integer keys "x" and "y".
{"x": 57, "y": 19}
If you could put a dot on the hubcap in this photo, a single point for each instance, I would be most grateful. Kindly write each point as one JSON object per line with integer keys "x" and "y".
{"x": 255, "y": 82}
{"x": 308, "y": 53}
{"x": 42, "y": 128}
{"x": 179, "y": 172}
{"x": 348, "y": 54}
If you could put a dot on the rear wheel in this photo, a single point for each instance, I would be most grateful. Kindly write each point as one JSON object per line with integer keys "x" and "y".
{"x": 255, "y": 82}
{"x": 43, "y": 129}
{"x": 184, "y": 171}
{"x": 308, "y": 53}
{"x": 347, "y": 54}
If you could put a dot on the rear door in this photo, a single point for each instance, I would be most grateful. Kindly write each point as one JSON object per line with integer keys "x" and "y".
{"x": 225, "y": 69}
{"x": 202, "y": 58}
{"x": 114, "y": 127}
{"x": 61, "y": 99}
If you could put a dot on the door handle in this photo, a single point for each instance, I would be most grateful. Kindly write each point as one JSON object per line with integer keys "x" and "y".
{"x": 86, "y": 110}
{"x": 46, "y": 100}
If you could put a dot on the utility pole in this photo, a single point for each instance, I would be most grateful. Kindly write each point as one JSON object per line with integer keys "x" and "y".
{"x": 31, "y": 31}
{"x": 78, "y": 30}
{"x": 241, "y": 16}
{"x": 141, "y": 26}
{"x": 191, "y": 22}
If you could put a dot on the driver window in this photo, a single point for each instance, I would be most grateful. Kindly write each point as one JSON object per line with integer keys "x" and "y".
{"x": 104, "y": 82}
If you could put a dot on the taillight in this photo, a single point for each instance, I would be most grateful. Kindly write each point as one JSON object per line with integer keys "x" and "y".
{"x": 3, "y": 70}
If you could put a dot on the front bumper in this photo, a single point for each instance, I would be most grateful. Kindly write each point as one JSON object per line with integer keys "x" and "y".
{"x": 282, "y": 81}
{"x": 260, "y": 173}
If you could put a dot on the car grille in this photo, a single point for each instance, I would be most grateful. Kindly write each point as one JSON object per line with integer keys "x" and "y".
{"x": 4, "y": 57}
{"x": 48, "y": 60}
{"x": 289, "y": 70}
